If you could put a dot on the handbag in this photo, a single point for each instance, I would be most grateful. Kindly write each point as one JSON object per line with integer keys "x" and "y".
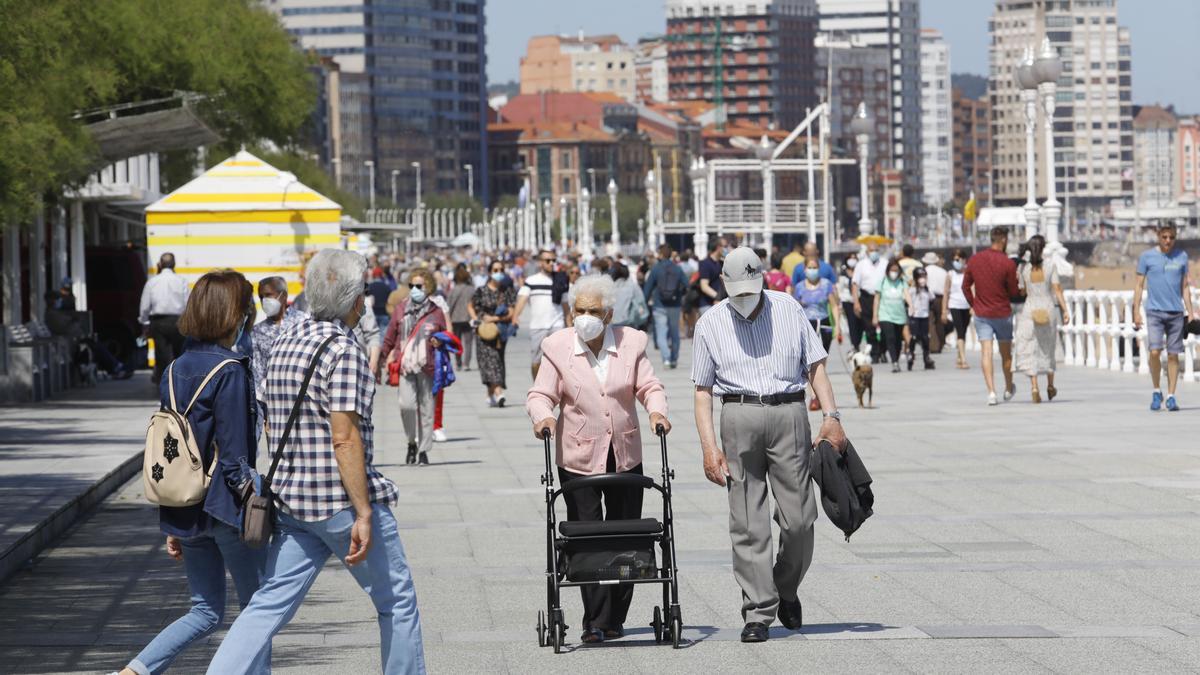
{"x": 1041, "y": 316}
{"x": 258, "y": 509}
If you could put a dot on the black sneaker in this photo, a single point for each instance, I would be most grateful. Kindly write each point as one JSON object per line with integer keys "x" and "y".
{"x": 911, "y": 358}
{"x": 929, "y": 365}
{"x": 755, "y": 631}
{"x": 791, "y": 614}
{"x": 411, "y": 458}
{"x": 423, "y": 459}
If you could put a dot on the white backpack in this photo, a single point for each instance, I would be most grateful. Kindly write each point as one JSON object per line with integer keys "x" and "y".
{"x": 172, "y": 466}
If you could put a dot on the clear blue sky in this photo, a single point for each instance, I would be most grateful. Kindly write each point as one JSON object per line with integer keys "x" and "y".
{"x": 1165, "y": 36}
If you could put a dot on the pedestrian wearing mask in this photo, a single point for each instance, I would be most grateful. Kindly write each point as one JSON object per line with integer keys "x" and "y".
{"x": 845, "y": 290}
{"x": 596, "y": 373}
{"x": 410, "y": 342}
{"x": 936, "y": 279}
{"x": 758, "y": 352}
{"x": 868, "y": 274}
{"x": 460, "y": 320}
{"x": 920, "y": 307}
{"x": 491, "y": 310}
{"x": 815, "y": 294}
{"x": 957, "y": 309}
{"x": 272, "y": 296}
{"x": 205, "y": 536}
{"x": 891, "y": 314}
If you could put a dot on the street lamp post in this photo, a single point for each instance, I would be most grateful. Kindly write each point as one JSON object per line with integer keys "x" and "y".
{"x": 395, "y": 173}
{"x": 614, "y": 217}
{"x": 585, "y": 224}
{"x": 862, "y": 127}
{"x": 417, "y": 166}
{"x": 1028, "y": 83}
{"x": 562, "y": 225}
{"x": 470, "y": 180}
{"x": 764, "y": 152}
{"x": 651, "y": 208}
{"x": 337, "y": 171}
{"x": 699, "y": 176}
{"x": 1047, "y": 69}
{"x": 370, "y": 164}
{"x": 592, "y": 178}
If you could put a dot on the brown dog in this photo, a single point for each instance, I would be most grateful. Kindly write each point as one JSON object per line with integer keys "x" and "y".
{"x": 864, "y": 377}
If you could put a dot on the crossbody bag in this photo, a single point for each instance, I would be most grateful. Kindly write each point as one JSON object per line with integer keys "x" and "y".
{"x": 258, "y": 508}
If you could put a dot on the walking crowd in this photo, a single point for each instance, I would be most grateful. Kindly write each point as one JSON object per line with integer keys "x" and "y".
{"x": 300, "y": 385}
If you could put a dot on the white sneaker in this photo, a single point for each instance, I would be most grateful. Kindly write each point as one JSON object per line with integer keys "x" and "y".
{"x": 992, "y": 398}
{"x": 439, "y": 436}
{"x": 491, "y": 400}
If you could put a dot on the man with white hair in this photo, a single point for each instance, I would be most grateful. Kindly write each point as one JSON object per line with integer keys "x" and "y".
{"x": 330, "y": 499}
{"x": 758, "y": 352}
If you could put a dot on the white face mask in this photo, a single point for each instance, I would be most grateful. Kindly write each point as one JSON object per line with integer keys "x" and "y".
{"x": 893, "y": 275}
{"x": 745, "y": 304}
{"x": 588, "y": 327}
{"x": 271, "y": 306}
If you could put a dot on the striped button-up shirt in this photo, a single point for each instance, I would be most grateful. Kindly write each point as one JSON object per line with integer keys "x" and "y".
{"x": 769, "y": 355}
{"x": 307, "y": 484}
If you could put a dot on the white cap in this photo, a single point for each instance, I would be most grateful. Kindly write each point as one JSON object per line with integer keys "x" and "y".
{"x": 742, "y": 272}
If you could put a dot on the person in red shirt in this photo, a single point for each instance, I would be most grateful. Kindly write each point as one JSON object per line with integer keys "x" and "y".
{"x": 989, "y": 285}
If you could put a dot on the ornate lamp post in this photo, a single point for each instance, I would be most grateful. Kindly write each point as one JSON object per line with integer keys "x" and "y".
{"x": 562, "y": 225}
{"x": 862, "y": 127}
{"x": 651, "y": 209}
{"x": 1028, "y": 83}
{"x": 764, "y": 152}
{"x": 616, "y": 221}
{"x": 699, "y": 176}
{"x": 584, "y": 226}
{"x": 1046, "y": 69}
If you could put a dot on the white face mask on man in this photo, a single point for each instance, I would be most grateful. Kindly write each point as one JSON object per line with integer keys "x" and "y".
{"x": 745, "y": 304}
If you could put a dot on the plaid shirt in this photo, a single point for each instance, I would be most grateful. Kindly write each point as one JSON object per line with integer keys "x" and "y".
{"x": 307, "y": 484}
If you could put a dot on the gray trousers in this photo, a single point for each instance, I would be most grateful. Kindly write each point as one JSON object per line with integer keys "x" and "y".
{"x": 761, "y": 444}
{"x": 416, "y": 409}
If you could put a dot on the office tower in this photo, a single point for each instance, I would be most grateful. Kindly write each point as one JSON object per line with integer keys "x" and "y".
{"x": 767, "y": 60}
{"x": 937, "y": 128}
{"x": 421, "y": 67}
{"x": 894, "y": 25}
{"x": 1093, "y": 119}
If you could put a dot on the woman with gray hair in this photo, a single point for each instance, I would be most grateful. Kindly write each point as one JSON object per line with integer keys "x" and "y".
{"x": 331, "y": 500}
{"x": 595, "y": 374}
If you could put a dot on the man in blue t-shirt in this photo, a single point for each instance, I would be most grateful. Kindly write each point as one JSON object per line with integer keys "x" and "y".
{"x": 1163, "y": 272}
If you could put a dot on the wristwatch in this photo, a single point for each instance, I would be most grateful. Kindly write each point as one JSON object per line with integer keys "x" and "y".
{"x": 836, "y": 415}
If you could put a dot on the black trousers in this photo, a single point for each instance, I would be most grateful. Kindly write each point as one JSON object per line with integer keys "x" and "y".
{"x": 918, "y": 332}
{"x": 867, "y": 302}
{"x": 854, "y": 324}
{"x": 893, "y": 335}
{"x": 824, "y": 331}
{"x": 604, "y": 607}
{"x": 168, "y": 341}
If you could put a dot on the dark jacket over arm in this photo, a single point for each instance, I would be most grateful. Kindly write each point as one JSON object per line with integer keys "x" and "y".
{"x": 846, "y": 495}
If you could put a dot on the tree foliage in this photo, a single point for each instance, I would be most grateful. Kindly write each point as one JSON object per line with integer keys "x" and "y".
{"x": 60, "y": 57}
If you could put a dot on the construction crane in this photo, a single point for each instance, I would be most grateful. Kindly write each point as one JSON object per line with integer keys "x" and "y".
{"x": 718, "y": 40}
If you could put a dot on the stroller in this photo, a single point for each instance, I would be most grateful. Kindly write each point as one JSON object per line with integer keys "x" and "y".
{"x": 600, "y": 553}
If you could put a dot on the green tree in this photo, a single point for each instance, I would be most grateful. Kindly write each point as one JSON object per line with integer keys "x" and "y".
{"x": 62, "y": 57}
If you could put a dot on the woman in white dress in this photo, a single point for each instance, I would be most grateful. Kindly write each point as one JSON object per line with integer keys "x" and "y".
{"x": 1036, "y": 335}
{"x": 956, "y": 307}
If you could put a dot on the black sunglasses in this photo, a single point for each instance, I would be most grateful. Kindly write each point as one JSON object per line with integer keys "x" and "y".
{"x": 420, "y": 285}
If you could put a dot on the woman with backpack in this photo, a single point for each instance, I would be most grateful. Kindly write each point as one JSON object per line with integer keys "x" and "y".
{"x": 207, "y": 382}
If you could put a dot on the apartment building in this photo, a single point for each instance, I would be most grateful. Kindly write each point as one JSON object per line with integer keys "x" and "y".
{"x": 937, "y": 127}
{"x": 579, "y": 63}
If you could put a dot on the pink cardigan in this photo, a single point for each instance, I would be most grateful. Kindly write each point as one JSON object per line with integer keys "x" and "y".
{"x": 594, "y": 416}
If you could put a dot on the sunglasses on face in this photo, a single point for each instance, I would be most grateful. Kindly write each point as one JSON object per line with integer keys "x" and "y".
{"x": 550, "y": 260}
{"x": 411, "y": 286}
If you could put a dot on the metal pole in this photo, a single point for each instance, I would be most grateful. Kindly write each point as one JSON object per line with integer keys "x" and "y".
{"x": 417, "y": 166}
{"x": 395, "y": 172}
{"x": 811, "y": 213}
{"x": 562, "y": 225}
{"x": 470, "y": 181}
{"x": 78, "y": 257}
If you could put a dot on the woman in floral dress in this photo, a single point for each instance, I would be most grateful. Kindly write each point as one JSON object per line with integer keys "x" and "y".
{"x": 492, "y": 303}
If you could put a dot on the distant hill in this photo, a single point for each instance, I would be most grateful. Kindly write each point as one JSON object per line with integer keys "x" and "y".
{"x": 972, "y": 86}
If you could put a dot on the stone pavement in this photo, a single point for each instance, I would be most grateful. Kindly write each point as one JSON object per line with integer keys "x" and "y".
{"x": 1063, "y": 537}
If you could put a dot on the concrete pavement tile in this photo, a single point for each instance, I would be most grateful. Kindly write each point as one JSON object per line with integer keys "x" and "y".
{"x": 1093, "y": 656}
{"x": 959, "y": 632}
{"x": 953, "y": 657}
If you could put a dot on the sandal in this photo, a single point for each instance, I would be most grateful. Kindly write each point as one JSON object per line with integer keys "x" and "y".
{"x": 1036, "y": 395}
{"x": 1051, "y": 392}
{"x": 592, "y": 636}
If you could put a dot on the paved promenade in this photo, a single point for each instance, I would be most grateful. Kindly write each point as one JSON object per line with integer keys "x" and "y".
{"x": 1063, "y": 537}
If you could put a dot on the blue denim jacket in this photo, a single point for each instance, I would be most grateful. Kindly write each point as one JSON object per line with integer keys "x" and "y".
{"x": 223, "y": 417}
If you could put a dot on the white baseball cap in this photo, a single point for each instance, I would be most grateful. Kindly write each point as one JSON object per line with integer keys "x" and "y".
{"x": 742, "y": 272}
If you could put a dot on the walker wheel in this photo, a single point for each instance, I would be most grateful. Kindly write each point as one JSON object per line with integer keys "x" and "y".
{"x": 541, "y": 629}
{"x": 657, "y": 625}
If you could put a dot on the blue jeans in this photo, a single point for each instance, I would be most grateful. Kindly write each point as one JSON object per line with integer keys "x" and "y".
{"x": 297, "y": 553}
{"x": 666, "y": 332}
{"x": 383, "y": 320}
{"x": 205, "y": 558}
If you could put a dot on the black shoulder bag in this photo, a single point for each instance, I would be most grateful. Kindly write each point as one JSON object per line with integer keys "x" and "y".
{"x": 258, "y": 510}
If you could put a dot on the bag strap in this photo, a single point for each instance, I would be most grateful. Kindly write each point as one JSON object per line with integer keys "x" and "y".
{"x": 204, "y": 383}
{"x": 292, "y": 417}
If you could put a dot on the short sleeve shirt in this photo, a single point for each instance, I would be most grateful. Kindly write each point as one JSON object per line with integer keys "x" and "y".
{"x": 891, "y": 301}
{"x": 711, "y": 269}
{"x": 307, "y": 484}
{"x": 770, "y": 355}
{"x": 815, "y": 301}
{"x": 1164, "y": 274}
{"x": 544, "y": 314}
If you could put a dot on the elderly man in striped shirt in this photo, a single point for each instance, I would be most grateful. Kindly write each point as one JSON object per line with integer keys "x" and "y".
{"x": 758, "y": 352}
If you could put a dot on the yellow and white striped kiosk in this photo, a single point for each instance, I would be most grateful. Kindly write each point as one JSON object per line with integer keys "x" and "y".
{"x": 243, "y": 214}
